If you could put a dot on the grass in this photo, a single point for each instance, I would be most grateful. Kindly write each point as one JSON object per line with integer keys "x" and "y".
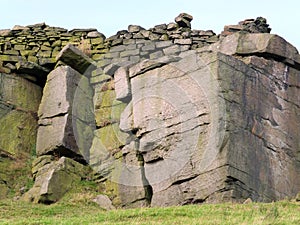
{"x": 86, "y": 212}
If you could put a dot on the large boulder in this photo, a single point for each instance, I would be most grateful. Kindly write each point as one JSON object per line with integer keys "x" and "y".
{"x": 66, "y": 115}
{"x": 53, "y": 178}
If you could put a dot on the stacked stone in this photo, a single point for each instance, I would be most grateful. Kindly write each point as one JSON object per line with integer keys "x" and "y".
{"x": 40, "y": 44}
{"x": 136, "y": 44}
{"x": 258, "y": 25}
{"x": 133, "y": 51}
{"x": 179, "y": 32}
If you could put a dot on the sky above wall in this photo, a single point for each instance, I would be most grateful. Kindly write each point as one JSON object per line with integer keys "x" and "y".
{"x": 110, "y": 16}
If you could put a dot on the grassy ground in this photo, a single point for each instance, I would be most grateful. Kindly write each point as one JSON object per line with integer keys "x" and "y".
{"x": 84, "y": 212}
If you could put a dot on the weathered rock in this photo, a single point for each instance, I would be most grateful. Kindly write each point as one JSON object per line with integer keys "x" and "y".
{"x": 18, "y": 27}
{"x": 172, "y": 26}
{"x": 73, "y": 57}
{"x": 66, "y": 115}
{"x": 104, "y": 202}
{"x": 54, "y": 179}
{"x": 95, "y": 34}
{"x": 211, "y": 125}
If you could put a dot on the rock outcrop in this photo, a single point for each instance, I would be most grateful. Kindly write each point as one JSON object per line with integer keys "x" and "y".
{"x": 164, "y": 116}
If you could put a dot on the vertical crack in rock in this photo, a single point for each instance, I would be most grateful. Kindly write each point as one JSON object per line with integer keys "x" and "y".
{"x": 147, "y": 187}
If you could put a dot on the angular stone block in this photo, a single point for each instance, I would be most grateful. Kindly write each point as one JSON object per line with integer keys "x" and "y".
{"x": 122, "y": 85}
{"x": 54, "y": 179}
{"x": 66, "y": 119}
{"x": 73, "y": 57}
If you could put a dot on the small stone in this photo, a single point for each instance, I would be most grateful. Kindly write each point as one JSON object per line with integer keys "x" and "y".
{"x": 128, "y": 36}
{"x": 248, "y": 201}
{"x": 138, "y": 36}
{"x": 95, "y": 34}
{"x": 117, "y": 42}
{"x": 163, "y": 44}
{"x": 56, "y": 43}
{"x": 97, "y": 40}
{"x": 10, "y": 66}
{"x": 145, "y": 33}
{"x": 183, "y": 41}
{"x": 183, "y": 23}
{"x": 130, "y": 53}
{"x": 186, "y": 16}
{"x": 184, "y": 20}
{"x": 5, "y": 33}
{"x": 154, "y": 37}
{"x": 104, "y": 202}
{"x": 18, "y": 27}
{"x": 149, "y": 47}
{"x": 212, "y": 39}
{"x": 19, "y": 47}
{"x": 161, "y": 27}
{"x": 135, "y": 28}
{"x": 172, "y": 26}
{"x": 110, "y": 69}
{"x": 156, "y": 55}
{"x": 172, "y": 50}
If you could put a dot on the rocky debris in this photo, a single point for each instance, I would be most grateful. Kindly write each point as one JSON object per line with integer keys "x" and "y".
{"x": 53, "y": 179}
{"x": 163, "y": 32}
{"x": 258, "y": 25}
{"x": 73, "y": 57}
{"x": 65, "y": 114}
{"x": 104, "y": 202}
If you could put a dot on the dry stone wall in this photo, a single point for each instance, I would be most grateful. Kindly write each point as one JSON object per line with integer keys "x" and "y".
{"x": 165, "y": 116}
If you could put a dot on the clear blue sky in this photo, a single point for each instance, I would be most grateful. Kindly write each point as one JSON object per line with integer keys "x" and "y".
{"x": 109, "y": 16}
